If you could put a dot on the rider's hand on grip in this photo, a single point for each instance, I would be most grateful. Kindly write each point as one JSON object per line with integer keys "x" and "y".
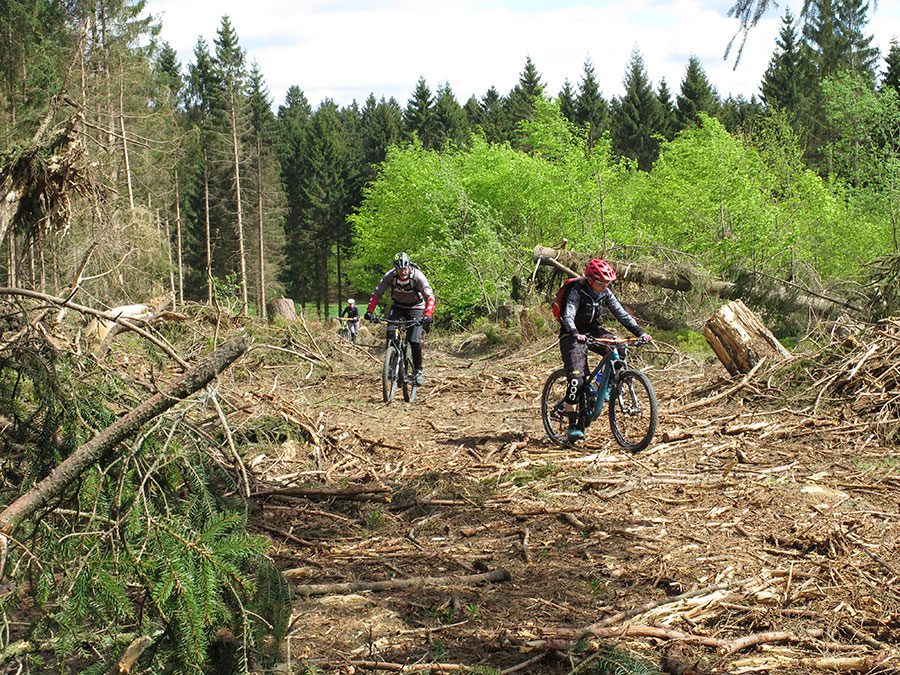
{"x": 426, "y": 323}
{"x": 645, "y": 338}
{"x": 581, "y": 337}
{"x": 370, "y": 316}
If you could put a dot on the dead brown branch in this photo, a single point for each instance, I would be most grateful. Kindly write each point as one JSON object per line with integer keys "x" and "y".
{"x": 498, "y": 574}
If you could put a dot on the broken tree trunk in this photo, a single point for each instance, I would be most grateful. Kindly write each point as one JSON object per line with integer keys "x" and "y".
{"x": 740, "y": 339}
{"x": 94, "y": 450}
{"x": 284, "y": 308}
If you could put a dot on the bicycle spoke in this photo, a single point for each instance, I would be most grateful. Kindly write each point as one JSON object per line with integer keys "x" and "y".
{"x": 633, "y": 412}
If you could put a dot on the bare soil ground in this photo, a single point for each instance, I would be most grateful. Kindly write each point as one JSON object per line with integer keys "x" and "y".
{"x": 759, "y": 533}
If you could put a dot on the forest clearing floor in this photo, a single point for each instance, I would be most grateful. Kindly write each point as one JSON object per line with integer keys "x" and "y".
{"x": 756, "y": 534}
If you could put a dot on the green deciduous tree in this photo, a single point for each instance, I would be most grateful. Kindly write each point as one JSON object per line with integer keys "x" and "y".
{"x": 866, "y": 152}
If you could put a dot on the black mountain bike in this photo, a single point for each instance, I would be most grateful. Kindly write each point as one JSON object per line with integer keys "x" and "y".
{"x": 633, "y": 411}
{"x": 397, "y": 371}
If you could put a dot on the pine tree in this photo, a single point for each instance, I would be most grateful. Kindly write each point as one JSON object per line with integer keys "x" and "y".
{"x": 494, "y": 108}
{"x": 519, "y": 104}
{"x": 202, "y": 90}
{"x": 591, "y": 109}
{"x": 267, "y": 190}
{"x": 419, "y": 118}
{"x": 892, "y": 74}
{"x": 737, "y": 114}
{"x": 697, "y": 95}
{"x": 450, "y": 120}
{"x": 637, "y": 116}
{"x": 381, "y": 128}
{"x": 33, "y": 33}
{"x": 859, "y": 54}
{"x": 566, "y": 100}
{"x": 833, "y": 33}
{"x": 782, "y": 80}
{"x": 230, "y": 65}
{"x": 168, "y": 70}
{"x": 667, "y": 119}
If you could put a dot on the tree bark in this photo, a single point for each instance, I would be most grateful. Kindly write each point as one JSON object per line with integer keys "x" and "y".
{"x": 98, "y": 447}
{"x": 242, "y": 256}
{"x": 283, "y": 307}
{"x": 740, "y": 339}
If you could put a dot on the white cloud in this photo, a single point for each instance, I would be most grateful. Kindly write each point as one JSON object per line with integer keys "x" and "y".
{"x": 347, "y": 50}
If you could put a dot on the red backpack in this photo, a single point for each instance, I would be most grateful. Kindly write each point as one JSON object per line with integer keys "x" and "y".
{"x": 560, "y": 298}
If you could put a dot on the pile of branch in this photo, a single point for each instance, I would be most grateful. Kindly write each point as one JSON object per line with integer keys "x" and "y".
{"x": 867, "y": 377}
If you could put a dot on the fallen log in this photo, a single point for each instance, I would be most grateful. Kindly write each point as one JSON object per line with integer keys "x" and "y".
{"x": 498, "y": 574}
{"x": 98, "y": 447}
{"x": 681, "y": 280}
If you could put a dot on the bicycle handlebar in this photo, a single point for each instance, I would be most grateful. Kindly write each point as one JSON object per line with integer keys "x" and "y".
{"x": 631, "y": 341}
{"x": 398, "y": 322}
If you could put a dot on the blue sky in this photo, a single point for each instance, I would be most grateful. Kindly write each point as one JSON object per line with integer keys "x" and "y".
{"x": 347, "y": 49}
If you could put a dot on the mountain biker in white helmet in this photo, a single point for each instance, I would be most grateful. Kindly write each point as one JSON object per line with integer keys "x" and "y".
{"x": 411, "y": 298}
{"x": 351, "y": 312}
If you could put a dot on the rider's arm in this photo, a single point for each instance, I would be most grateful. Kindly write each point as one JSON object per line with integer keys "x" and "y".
{"x": 623, "y": 317}
{"x": 382, "y": 286}
{"x": 570, "y": 309}
{"x": 424, "y": 289}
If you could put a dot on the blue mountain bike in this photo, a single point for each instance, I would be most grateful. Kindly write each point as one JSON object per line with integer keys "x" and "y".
{"x": 633, "y": 410}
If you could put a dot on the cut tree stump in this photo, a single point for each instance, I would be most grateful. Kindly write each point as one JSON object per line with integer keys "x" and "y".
{"x": 740, "y": 339}
{"x": 283, "y": 307}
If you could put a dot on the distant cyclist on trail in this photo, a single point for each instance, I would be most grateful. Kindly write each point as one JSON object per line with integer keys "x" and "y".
{"x": 351, "y": 313}
{"x": 411, "y": 298}
{"x": 580, "y": 317}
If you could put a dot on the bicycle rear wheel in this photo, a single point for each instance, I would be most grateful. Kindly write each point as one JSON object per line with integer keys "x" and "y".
{"x": 633, "y": 411}
{"x": 553, "y": 407}
{"x": 390, "y": 373}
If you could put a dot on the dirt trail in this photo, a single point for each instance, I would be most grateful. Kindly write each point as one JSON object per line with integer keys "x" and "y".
{"x": 761, "y": 522}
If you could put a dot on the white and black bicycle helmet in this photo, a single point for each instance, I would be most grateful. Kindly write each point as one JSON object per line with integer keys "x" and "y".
{"x": 401, "y": 260}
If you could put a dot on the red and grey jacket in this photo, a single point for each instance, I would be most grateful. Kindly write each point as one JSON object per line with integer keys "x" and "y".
{"x": 414, "y": 293}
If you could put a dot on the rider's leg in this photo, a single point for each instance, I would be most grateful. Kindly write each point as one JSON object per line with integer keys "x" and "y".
{"x": 415, "y": 346}
{"x": 574, "y": 356}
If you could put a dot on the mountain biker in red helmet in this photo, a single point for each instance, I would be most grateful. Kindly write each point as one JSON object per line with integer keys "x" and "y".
{"x": 411, "y": 298}
{"x": 580, "y": 317}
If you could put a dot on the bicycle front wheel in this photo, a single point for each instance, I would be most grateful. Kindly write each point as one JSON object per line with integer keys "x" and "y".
{"x": 390, "y": 373}
{"x": 553, "y": 407}
{"x": 633, "y": 411}
{"x": 409, "y": 382}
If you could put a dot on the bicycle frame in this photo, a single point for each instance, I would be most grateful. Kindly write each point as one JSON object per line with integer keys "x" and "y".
{"x": 598, "y": 383}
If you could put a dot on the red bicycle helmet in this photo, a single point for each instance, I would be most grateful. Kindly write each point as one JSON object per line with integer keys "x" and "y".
{"x": 600, "y": 270}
